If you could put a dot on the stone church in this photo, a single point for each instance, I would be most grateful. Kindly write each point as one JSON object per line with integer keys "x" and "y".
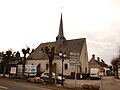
{"x": 66, "y": 46}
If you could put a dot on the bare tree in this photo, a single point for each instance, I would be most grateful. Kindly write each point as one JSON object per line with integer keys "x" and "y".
{"x": 25, "y": 52}
{"x": 50, "y": 53}
{"x": 6, "y": 59}
{"x": 115, "y": 63}
{"x": 17, "y": 56}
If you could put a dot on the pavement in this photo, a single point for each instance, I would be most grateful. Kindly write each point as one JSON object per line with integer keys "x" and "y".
{"x": 106, "y": 83}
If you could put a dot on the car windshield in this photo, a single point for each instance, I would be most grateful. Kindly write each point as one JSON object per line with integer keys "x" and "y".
{"x": 53, "y": 74}
{"x": 46, "y": 74}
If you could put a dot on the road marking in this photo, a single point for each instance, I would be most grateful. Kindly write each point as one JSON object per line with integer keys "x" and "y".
{"x": 3, "y": 87}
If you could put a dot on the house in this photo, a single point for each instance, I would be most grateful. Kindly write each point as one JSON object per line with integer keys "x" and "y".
{"x": 101, "y": 65}
{"x": 61, "y": 44}
{"x": 119, "y": 70}
{"x": 1, "y": 59}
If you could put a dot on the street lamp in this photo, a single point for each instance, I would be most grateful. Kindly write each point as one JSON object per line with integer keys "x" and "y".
{"x": 62, "y": 55}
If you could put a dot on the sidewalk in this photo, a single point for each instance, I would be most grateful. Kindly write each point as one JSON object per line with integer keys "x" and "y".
{"x": 107, "y": 83}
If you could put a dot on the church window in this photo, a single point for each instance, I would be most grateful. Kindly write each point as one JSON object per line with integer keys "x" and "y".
{"x": 86, "y": 70}
{"x": 38, "y": 66}
{"x": 54, "y": 65}
{"x": 38, "y": 69}
{"x": 66, "y": 66}
{"x": 46, "y": 66}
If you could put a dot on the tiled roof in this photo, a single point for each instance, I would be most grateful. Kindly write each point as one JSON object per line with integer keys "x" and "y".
{"x": 69, "y": 46}
{"x": 102, "y": 64}
{"x": 13, "y": 62}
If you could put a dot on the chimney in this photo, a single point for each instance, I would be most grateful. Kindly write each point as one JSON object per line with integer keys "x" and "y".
{"x": 98, "y": 58}
{"x": 102, "y": 61}
{"x": 93, "y": 56}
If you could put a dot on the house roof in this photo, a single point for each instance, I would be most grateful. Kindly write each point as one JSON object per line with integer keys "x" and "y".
{"x": 103, "y": 64}
{"x": 74, "y": 45}
{"x": 14, "y": 62}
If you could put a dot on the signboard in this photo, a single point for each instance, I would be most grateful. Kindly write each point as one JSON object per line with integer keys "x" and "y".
{"x": 74, "y": 54}
{"x": 29, "y": 69}
{"x": 74, "y": 59}
{"x": 13, "y": 70}
{"x": 77, "y": 63}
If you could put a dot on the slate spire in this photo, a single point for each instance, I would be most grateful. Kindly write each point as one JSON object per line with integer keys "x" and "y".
{"x": 60, "y": 38}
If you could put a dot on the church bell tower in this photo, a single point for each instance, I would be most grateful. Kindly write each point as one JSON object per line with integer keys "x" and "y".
{"x": 60, "y": 39}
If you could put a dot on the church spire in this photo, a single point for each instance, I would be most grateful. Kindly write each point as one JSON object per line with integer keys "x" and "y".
{"x": 61, "y": 27}
{"x": 60, "y": 38}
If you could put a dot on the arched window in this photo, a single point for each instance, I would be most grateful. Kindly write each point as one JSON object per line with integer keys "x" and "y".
{"x": 54, "y": 67}
{"x": 46, "y": 66}
{"x": 54, "y": 64}
{"x": 38, "y": 69}
{"x": 66, "y": 66}
{"x": 39, "y": 66}
{"x": 85, "y": 70}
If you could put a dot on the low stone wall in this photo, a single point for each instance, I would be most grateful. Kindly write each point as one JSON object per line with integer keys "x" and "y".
{"x": 90, "y": 87}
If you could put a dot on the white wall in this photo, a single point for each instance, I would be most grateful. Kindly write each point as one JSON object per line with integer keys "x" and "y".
{"x": 84, "y": 58}
{"x": 58, "y": 65}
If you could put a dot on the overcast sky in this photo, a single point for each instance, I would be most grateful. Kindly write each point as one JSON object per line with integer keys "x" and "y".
{"x": 31, "y": 22}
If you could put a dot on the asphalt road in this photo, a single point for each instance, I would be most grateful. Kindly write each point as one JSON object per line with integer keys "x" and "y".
{"x": 107, "y": 83}
{"x": 12, "y": 85}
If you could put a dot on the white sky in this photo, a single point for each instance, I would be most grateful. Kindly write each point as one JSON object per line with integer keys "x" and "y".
{"x": 31, "y": 22}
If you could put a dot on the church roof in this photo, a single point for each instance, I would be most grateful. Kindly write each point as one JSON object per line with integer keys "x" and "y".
{"x": 74, "y": 45}
{"x": 61, "y": 44}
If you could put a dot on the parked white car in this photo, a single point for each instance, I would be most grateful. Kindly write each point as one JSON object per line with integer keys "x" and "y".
{"x": 45, "y": 77}
{"x": 94, "y": 73}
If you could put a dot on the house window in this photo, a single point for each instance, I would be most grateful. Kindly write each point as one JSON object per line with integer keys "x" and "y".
{"x": 46, "y": 66}
{"x": 86, "y": 70}
{"x": 38, "y": 69}
{"x": 38, "y": 66}
{"x": 54, "y": 67}
{"x": 80, "y": 68}
{"x": 66, "y": 66}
